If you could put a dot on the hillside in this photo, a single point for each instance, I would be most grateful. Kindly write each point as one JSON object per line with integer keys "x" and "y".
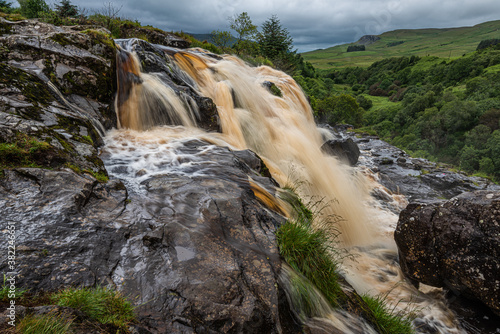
{"x": 445, "y": 43}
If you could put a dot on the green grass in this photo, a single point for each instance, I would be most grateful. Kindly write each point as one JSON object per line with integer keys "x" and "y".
{"x": 5, "y": 291}
{"x": 388, "y": 320}
{"x": 103, "y": 305}
{"x": 44, "y": 324}
{"x": 310, "y": 251}
{"x": 443, "y": 43}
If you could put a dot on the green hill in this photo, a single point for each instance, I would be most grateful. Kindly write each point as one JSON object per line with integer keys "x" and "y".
{"x": 444, "y": 43}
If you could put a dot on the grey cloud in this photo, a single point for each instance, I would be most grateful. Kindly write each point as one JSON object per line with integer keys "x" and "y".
{"x": 312, "y": 24}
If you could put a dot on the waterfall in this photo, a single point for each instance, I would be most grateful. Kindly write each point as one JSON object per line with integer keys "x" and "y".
{"x": 155, "y": 114}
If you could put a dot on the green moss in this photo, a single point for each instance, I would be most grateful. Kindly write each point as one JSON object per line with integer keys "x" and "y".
{"x": 275, "y": 90}
{"x": 88, "y": 140}
{"x": 62, "y": 39}
{"x": 33, "y": 88}
{"x": 100, "y": 176}
{"x": 100, "y": 37}
{"x": 25, "y": 151}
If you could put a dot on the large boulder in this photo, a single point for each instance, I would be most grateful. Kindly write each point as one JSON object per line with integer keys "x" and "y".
{"x": 454, "y": 244}
{"x": 344, "y": 148}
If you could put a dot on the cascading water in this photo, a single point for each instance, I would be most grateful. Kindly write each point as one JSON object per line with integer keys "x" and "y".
{"x": 281, "y": 130}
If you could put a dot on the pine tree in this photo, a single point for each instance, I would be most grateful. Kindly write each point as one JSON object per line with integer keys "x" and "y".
{"x": 66, "y": 9}
{"x": 275, "y": 41}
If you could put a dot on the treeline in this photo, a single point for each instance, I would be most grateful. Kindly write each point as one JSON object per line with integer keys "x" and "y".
{"x": 442, "y": 110}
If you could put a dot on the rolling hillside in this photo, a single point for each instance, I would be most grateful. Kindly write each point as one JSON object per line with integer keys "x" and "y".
{"x": 445, "y": 43}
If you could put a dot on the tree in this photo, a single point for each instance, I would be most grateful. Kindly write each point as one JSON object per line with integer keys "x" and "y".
{"x": 66, "y": 9}
{"x": 275, "y": 41}
{"x": 222, "y": 39}
{"x": 5, "y": 5}
{"x": 244, "y": 27}
{"x": 33, "y": 8}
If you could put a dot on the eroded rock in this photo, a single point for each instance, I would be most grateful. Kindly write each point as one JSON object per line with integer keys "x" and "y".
{"x": 454, "y": 244}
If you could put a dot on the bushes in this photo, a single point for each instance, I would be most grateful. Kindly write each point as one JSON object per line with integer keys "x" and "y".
{"x": 33, "y": 8}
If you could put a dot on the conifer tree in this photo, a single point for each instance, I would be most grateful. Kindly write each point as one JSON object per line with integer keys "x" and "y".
{"x": 66, "y": 9}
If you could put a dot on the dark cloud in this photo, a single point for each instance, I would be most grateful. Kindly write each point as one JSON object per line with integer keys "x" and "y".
{"x": 313, "y": 24}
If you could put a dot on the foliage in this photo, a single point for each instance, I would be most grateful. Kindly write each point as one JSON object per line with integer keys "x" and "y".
{"x": 44, "y": 324}
{"x": 66, "y": 9}
{"x": 388, "y": 320}
{"x": 274, "y": 40}
{"x": 245, "y": 29}
{"x": 222, "y": 39}
{"x": 33, "y": 8}
{"x": 445, "y": 110}
{"x": 5, "y": 291}
{"x": 4, "y": 5}
{"x": 103, "y": 305}
{"x": 447, "y": 44}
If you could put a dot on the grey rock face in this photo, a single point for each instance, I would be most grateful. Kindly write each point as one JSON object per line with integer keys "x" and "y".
{"x": 56, "y": 88}
{"x": 196, "y": 253}
{"x": 454, "y": 244}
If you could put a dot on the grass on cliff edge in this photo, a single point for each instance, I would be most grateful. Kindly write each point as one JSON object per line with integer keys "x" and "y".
{"x": 312, "y": 253}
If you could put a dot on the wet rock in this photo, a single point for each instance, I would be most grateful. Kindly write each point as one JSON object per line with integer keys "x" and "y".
{"x": 56, "y": 89}
{"x": 194, "y": 253}
{"x": 345, "y": 149}
{"x": 454, "y": 244}
{"x": 156, "y": 59}
{"x": 416, "y": 178}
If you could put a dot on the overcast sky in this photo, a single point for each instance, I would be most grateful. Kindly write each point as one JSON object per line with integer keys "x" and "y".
{"x": 313, "y": 24}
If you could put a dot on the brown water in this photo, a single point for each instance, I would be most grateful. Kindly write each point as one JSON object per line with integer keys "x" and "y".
{"x": 281, "y": 130}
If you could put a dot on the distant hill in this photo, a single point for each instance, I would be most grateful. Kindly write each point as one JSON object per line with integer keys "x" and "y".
{"x": 445, "y": 43}
{"x": 208, "y": 38}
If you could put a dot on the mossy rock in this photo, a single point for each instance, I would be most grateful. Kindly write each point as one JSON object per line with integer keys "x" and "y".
{"x": 31, "y": 87}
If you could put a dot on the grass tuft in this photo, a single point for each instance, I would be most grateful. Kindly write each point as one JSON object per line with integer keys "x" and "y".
{"x": 44, "y": 324}
{"x": 101, "y": 304}
{"x": 310, "y": 251}
{"x": 387, "y": 319}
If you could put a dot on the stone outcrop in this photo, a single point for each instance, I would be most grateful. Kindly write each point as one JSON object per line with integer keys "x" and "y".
{"x": 345, "y": 149}
{"x": 418, "y": 179}
{"x": 56, "y": 88}
{"x": 454, "y": 244}
{"x": 368, "y": 39}
{"x": 154, "y": 35}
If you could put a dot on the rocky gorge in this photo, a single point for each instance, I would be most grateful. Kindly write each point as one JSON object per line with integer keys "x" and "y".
{"x": 193, "y": 246}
